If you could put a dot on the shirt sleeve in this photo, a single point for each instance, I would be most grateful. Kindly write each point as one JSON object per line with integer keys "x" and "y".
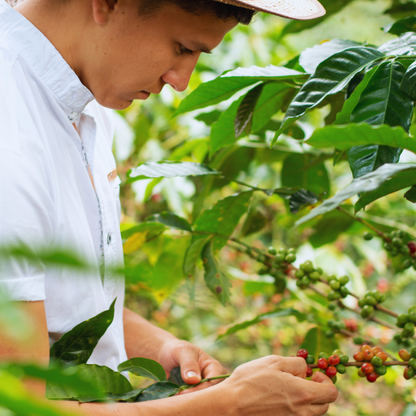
{"x": 26, "y": 221}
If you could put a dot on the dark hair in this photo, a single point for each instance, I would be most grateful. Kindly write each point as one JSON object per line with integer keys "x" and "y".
{"x": 221, "y": 10}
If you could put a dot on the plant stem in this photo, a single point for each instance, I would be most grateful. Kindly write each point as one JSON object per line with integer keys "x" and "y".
{"x": 205, "y": 380}
{"x": 387, "y": 311}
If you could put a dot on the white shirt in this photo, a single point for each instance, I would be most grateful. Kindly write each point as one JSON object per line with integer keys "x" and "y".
{"x": 46, "y": 196}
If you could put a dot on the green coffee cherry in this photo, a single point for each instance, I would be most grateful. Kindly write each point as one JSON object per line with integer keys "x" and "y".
{"x": 299, "y": 274}
{"x": 323, "y": 355}
{"x": 344, "y": 291}
{"x": 310, "y": 359}
{"x": 387, "y": 247}
{"x": 343, "y": 359}
{"x": 358, "y": 340}
{"x": 367, "y": 311}
{"x": 368, "y": 236}
{"x": 305, "y": 281}
{"x": 272, "y": 251}
{"x": 290, "y": 258}
{"x": 362, "y": 303}
{"x": 412, "y": 309}
{"x": 413, "y": 352}
{"x": 320, "y": 271}
{"x": 307, "y": 267}
{"x": 332, "y": 306}
{"x": 412, "y": 363}
{"x": 331, "y": 277}
{"x": 412, "y": 317}
{"x": 370, "y": 301}
{"x": 343, "y": 280}
{"x": 381, "y": 370}
{"x": 376, "y": 361}
{"x": 291, "y": 251}
{"x": 397, "y": 242}
{"x": 334, "y": 284}
{"x": 280, "y": 257}
{"x": 315, "y": 276}
{"x": 330, "y": 333}
{"x": 404, "y": 250}
{"x": 341, "y": 369}
{"x": 402, "y": 320}
{"x": 382, "y": 298}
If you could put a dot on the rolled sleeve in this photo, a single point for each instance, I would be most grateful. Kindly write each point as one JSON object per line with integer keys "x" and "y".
{"x": 26, "y": 289}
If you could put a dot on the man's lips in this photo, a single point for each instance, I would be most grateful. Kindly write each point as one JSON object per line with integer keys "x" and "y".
{"x": 143, "y": 95}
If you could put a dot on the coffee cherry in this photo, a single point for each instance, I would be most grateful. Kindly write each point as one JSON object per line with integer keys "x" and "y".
{"x": 314, "y": 276}
{"x": 404, "y": 355}
{"x": 397, "y": 242}
{"x": 413, "y": 352}
{"x": 382, "y": 355}
{"x": 387, "y": 247}
{"x": 376, "y": 350}
{"x": 366, "y": 347}
{"x": 333, "y": 360}
{"x": 358, "y": 340}
{"x": 341, "y": 368}
{"x": 309, "y": 372}
{"x": 332, "y": 307}
{"x": 412, "y": 317}
{"x": 344, "y": 359}
{"x": 376, "y": 361}
{"x": 367, "y": 368}
{"x": 331, "y": 371}
{"x": 343, "y": 280}
{"x": 331, "y": 277}
{"x": 360, "y": 373}
{"x": 334, "y": 379}
{"x": 412, "y": 247}
{"x": 303, "y": 354}
{"x": 280, "y": 258}
{"x": 290, "y": 258}
{"x": 367, "y": 311}
{"x": 412, "y": 363}
{"x": 368, "y": 236}
{"x": 372, "y": 377}
{"x": 368, "y": 355}
{"x": 370, "y": 301}
{"x": 362, "y": 303}
{"x": 359, "y": 356}
{"x": 344, "y": 292}
{"x": 305, "y": 281}
{"x": 381, "y": 370}
{"x": 330, "y": 333}
{"x": 402, "y": 320}
{"x": 272, "y": 251}
{"x": 335, "y": 285}
{"x": 323, "y": 363}
{"x": 307, "y": 267}
{"x": 407, "y": 263}
{"x": 408, "y": 373}
{"x": 310, "y": 359}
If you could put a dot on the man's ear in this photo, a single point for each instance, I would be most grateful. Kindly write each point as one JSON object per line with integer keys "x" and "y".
{"x": 101, "y": 10}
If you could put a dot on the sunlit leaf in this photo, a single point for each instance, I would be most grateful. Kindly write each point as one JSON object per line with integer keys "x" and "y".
{"x": 144, "y": 367}
{"x": 135, "y": 242}
{"x": 316, "y": 342}
{"x": 404, "y": 45}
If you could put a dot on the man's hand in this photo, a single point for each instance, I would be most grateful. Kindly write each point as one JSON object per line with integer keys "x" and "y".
{"x": 195, "y": 363}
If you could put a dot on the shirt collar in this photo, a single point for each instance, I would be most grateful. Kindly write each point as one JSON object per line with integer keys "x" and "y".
{"x": 27, "y": 41}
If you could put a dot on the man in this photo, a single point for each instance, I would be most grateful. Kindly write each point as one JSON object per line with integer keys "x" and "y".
{"x": 62, "y": 63}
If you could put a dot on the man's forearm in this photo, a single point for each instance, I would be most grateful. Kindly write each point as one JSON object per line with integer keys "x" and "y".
{"x": 142, "y": 338}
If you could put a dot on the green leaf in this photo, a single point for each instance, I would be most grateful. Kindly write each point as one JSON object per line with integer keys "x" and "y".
{"x": 225, "y": 86}
{"x": 408, "y": 24}
{"x": 209, "y": 118}
{"x": 144, "y": 367}
{"x": 331, "y": 77}
{"x": 168, "y": 170}
{"x": 367, "y": 183}
{"x": 171, "y": 220}
{"x": 176, "y": 377}
{"x": 405, "y": 45}
{"x": 215, "y": 279}
{"x": 223, "y": 218}
{"x": 409, "y": 410}
{"x": 302, "y": 199}
{"x": 300, "y": 170}
{"x": 408, "y": 84}
{"x": 410, "y": 195}
{"x": 76, "y": 346}
{"x": 254, "y": 222}
{"x": 193, "y": 254}
{"x": 345, "y": 137}
{"x": 269, "y": 315}
{"x": 104, "y": 378}
{"x": 245, "y": 111}
{"x": 400, "y": 181}
{"x": 150, "y": 187}
{"x": 315, "y": 342}
{"x": 310, "y": 58}
{"x": 129, "y": 397}
{"x": 161, "y": 390}
{"x": 153, "y": 230}
{"x": 329, "y": 228}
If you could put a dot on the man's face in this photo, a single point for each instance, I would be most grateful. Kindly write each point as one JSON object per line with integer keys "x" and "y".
{"x": 135, "y": 56}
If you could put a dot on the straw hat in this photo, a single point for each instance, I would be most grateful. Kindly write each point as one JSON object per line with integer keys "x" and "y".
{"x": 291, "y": 9}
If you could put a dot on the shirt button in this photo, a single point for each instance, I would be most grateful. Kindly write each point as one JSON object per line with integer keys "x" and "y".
{"x": 108, "y": 239}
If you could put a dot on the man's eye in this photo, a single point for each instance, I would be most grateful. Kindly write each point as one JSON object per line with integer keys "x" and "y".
{"x": 186, "y": 51}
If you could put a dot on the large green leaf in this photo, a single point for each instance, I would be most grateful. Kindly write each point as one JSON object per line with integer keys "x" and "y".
{"x": 404, "y": 45}
{"x": 161, "y": 390}
{"x": 193, "y": 254}
{"x": 310, "y": 58}
{"x": 215, "y": 279}
{"x": 331, "y": 77}
{"x": 281, "y": 313}
{"x": 223, "y": 218}
{"x": 408, "y": 84}
{"x": 381, "y": 102}
{"x": 144, "y": 367}
{"x": 171, "y": 220}
{"x": 401, "y": 181}
{"x": 367, "y": 183}
{"x": 168, "y": 170}
{"x": 244, "y": 117}
{"x": 300, "y": 170}
{"x": 225, "y": 86}
{"x": 76, "y": 346}
{"x": 316, "y": 342}
{"x": 408, "y": 24}
{"x": 345, "y": 137}
{"x": 105, "y": 379}
{"x": 176, "y": 377}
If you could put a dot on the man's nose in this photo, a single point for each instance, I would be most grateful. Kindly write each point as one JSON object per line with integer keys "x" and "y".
{"x": 178, "y": 77}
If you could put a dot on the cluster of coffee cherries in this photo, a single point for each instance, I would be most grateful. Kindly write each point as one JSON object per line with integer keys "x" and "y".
{"x": 370, "y": 300}
{"x": 337, "y": 284}
{"x": 410, "y": 358}
{"x": 330, "y": 365}
{"x": 407, "y": 322}
{"x": 334, "y": 327}
{"x": 307, "y": 274}
{"x": 282, "y": 256}
{"x": 373, "y": 359}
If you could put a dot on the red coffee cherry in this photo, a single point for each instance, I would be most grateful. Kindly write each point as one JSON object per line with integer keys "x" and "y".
{"x": 333, "y": 360}
{"x": 303, "y": 354}
{"x": 368, "y": 355}
{"x": 309, "y": 372}
{"x": 412, "y": 247}
{"x": 382, "y": 355}
{"x": 367, "y": 368}
{"x": 359, "y": 356}
{"x": 331, "y": 371}
{"x": 323, "y": 363}
{"x": 365, "y": 347}
{"x": 376, "y": 350}
{"x": 405, "y": 355}
{"x": 372, "y": 377}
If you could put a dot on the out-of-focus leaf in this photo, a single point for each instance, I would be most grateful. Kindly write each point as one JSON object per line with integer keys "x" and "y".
{"x": 281, "y": 313}
{"x": 193, "y": 254}
{"x": 302, "y": 199}
{"x": 225, "y": 86}
{"x": 400, "y": 181}
{"x": 401, "y": 8}
{"x": 404, "y": 45}
{"x": 244, "y": 117}
{"x": 254, "y": 222}
{"x": 223, "y": 218}
{"x": 135, "y": 242}
{"x": 408, "y": 24}
{"x": 410, "y": 409}
{"x": 331, "y": 77}
{"x": 345, "y": 137}
{"x": 315, "y": 342}
{"x": 366, "y": 183}
{"x": 209, "y": 118}
{"x": 408, "y": 84}
{"x": 153, "y": 230}
{"x": 168, "y": 170}
{"x": 215, "y": 279}
{"x": 161, "y": 390}
{"x": 300, "y": 170}
{"x": 329, "y": 228}
{"x": 310, "y": 58}
{"x": 176, "y": 377}
{"x": 171, "y": 220}
{"x": 76, "y": 346}
{"x": 410, "y": 195}
{"x": 144, "y": 367}
{"x": 150, "y": 187}
{"x": 107, "y": 380}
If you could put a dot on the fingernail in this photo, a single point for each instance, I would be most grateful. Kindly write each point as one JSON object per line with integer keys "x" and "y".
{"x": 192, "y": 374}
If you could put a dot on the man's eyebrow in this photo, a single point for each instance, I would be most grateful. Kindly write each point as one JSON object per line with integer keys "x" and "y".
{"x": 201, "y": 47}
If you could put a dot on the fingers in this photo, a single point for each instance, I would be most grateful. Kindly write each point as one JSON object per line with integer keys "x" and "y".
{"x": 187, "y": 358}
{"x": 322, "y": 392}
{"x": 294, "y": 365}
{"x": 319, "y": 409}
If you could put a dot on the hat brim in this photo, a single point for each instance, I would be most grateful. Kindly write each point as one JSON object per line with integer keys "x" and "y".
{"x": 290, "y": 9}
